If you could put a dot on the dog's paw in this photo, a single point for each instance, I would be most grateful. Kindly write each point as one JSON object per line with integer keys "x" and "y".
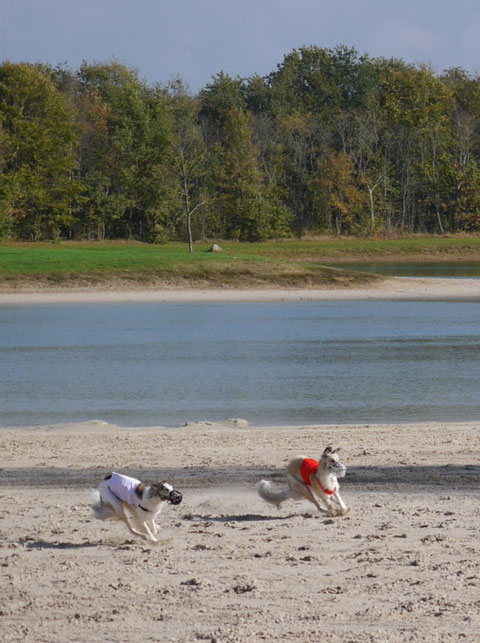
{"x": 331, "y": 511}
{"x": 343, "y": 512}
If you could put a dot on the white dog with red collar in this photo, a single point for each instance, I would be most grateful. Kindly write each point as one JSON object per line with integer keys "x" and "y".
{"x": 312, "y": 480}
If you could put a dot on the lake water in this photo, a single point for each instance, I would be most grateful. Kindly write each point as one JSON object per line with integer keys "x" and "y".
{"x": 450, "y": 269}
{"x": 269, "y": 363}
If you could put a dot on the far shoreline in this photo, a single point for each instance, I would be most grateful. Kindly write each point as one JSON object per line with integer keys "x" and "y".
{"x": 392, "y": 288}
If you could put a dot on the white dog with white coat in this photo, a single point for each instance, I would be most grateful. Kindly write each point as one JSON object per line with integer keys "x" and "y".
{"x": 120, "y": 497}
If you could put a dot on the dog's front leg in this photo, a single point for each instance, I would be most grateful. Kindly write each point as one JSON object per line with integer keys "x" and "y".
{"x": 133, "y": 531}
{"x": 126, "y": 519}
{"x": 143, "y": 528}
{"x": 337, "y": 498}
{"x": 150, "y": 535}
{"x": 323, "y": 496}
{"x": 153, "y": 526}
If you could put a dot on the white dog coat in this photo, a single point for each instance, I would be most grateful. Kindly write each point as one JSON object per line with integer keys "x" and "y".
{"x": 124, "y": 488}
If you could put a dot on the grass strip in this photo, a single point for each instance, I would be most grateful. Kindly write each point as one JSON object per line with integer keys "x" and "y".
{"x": 285, "y": 263}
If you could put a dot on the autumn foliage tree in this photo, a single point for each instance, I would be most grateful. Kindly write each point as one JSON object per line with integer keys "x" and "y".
{"x": 343, "y": 203}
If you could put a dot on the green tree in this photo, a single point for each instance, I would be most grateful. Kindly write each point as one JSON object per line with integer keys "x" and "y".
{"x": 322, "y": 81}
{"x": 244, "y": 207}
{"x": 223, "y": 94}
{"x": 6, "y": 221}
{"x": 132, "y": 173}
{"x": 464, "y": 150}
{"x": 303, "y": 140}
{"x": 39, "y": 137}
{"x": 419, "y": 105}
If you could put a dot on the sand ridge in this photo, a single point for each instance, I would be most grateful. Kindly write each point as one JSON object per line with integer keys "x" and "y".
{"x": 394, "y": 288}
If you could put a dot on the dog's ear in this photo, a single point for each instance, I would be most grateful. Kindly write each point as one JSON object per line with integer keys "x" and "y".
{"x": 327, "y": 450}
{"x": 336, "y": 450}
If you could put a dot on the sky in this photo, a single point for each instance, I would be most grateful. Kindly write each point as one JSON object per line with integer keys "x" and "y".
{"x": 197, "y": 39}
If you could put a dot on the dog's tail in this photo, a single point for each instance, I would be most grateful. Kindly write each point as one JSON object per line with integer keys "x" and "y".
{"x": 100, "y": 509}
{"x": 274, "y": 496}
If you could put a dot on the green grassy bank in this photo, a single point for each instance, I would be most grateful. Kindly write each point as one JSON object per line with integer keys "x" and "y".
{"x": 286, "y": 263}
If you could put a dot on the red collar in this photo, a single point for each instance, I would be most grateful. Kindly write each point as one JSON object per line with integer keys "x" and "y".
{"x": 327, "y": 491}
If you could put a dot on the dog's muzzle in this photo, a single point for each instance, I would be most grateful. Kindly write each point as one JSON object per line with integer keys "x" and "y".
{"x": 175, "y": 497}
{"x": 338, "y": 469}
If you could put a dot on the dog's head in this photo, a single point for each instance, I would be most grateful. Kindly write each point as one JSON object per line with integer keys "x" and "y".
{"x": 332, "y": 462}
{"x": 165, "y": 491}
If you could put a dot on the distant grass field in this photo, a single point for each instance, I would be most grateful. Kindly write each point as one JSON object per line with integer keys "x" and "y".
{"x": 286, "y": 263}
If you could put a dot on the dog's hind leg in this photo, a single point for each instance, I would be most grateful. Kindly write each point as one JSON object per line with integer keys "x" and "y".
{"x": 301, "y": 490}
{"x": 106, "y": 511}
{"x": 102, "y": 511}
{"x": 122, "y": 515}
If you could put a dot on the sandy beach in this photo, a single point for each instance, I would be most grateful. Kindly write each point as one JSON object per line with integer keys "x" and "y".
{"x": 403, "y": 565}
{"x": 396, "y": 288}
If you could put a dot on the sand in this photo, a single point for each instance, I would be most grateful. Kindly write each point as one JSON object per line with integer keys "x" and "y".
{"x": 403, "y": 565}
{"x": 396, "y": 288}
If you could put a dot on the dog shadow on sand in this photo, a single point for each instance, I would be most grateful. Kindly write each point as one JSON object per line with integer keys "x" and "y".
{"x": 30, "y": 543}
{"x": 249, "y": 517}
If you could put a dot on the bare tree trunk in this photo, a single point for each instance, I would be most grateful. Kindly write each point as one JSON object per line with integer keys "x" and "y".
{"x": 189, "y": 228}
{"x": 189, "y": 225}
{"x": 439, "y": 218}
{"x": 372, "y": 211}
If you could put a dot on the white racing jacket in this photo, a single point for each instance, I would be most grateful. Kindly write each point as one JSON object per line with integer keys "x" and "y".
{"x": 124, "y": 488}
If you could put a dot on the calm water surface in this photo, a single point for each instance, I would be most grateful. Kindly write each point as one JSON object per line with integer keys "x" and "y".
{"x": 270, "y": 363}
{"x": 450, "y": 269}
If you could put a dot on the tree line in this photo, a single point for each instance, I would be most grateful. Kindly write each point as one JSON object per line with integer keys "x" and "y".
{"x": 331, "y": 141}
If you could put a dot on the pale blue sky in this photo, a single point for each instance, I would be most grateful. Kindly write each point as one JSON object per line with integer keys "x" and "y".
{"x": 199, "y": 38}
